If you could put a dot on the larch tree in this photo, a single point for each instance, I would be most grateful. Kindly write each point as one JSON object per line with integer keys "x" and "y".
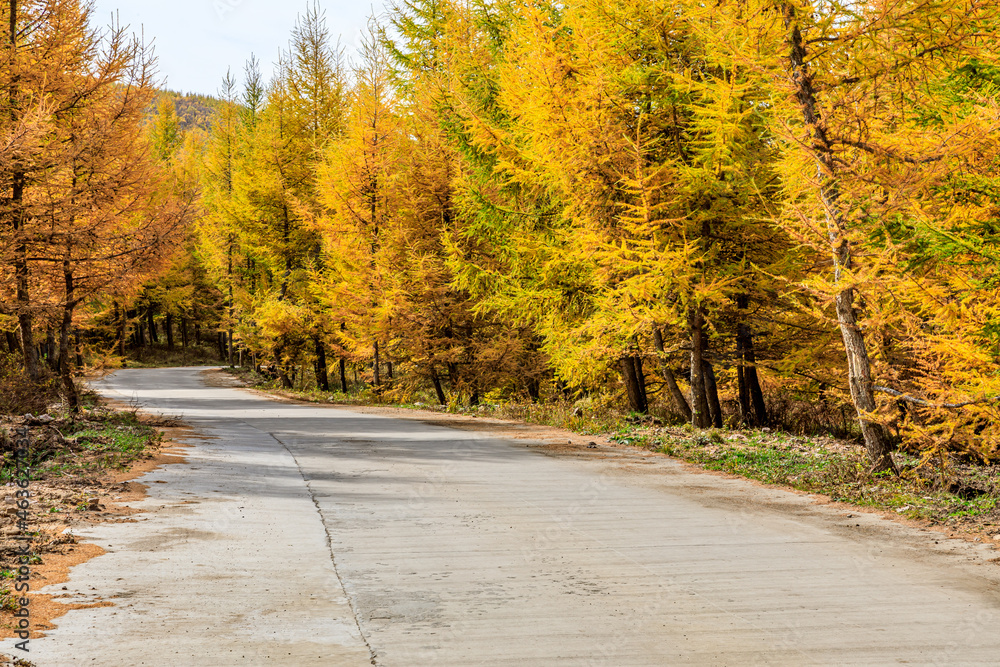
{"x": 504, "y": 230}
{"x": 357, "y": 185}
{"x": 274, "y": 228}
{"x": 847, "y": 82}
{"x": 219, "y": 227}
{"x": 317, "y": 89}
{"x": 441, "y": 338}
{"x": 91, "y": 206}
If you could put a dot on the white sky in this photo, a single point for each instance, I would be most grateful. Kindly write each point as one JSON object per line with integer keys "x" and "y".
{"x": 196, "y": 41}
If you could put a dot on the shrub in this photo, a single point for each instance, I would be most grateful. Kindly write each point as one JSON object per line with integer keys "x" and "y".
{"x": 19, "y": 394}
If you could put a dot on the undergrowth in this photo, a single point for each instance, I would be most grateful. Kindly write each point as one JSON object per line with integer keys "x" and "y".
{"x": 94, "y": 440}
{"x": 961, "y": 494}
{"x": 8, "y": 598}
{"x": 163, "y": 357}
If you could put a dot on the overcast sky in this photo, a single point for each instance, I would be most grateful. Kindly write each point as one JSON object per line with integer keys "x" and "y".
{"x": 197, "y": 40}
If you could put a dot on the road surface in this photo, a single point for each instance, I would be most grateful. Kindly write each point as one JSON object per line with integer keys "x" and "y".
{"x": 306, "y": 535}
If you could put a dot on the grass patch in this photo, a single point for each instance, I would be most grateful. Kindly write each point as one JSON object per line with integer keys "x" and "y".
{"x": 963, "y": 496}
{"x": 96, "y": 440}
{"x": 8, "y": 599}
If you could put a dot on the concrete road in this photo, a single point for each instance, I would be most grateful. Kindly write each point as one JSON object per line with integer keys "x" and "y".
{"x": 300, "y": 535}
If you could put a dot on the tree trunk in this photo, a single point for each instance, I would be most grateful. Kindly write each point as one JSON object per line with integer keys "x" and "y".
{"x": 753, "y": 382}
{"x": 534, "y": 389}
{"x": 700, "y": 415}
{"x": 668, "y": 375}
{"x": 438, "y": 389}
{"x": 322, "y": 379}
{"x": 168, "y": 324}
{"x": 628, "y": 377}
{"x": 65, "y": 369}
{"x": 712, "y": 395}
{"x": 633, "y": 384}
{"x": 860, "y": 378}
{"x": 753, "y": 411}
{"x": 139, "y": 332}
{"x": 279, "y": 363}
{"x": 197, "y": 333}
{"x": 78, "y": 348}
{"x": 119, "y": 316}
{"x": 51, "y": 350}
{"x": 746, "y": 410}
{"x": 184, "y": 332}
{"x": 376, "y": 378}
{"x": 220, "y": 339}
{"x": 151, "y": 323}
{"x": 640, "y": 378}
{"x": 858, "y": 363}
{"x": 29, "y": 353}
{"x": 343, "y": 375}
{"x": 747, "y": 416}
{"x": 12, "y": 346}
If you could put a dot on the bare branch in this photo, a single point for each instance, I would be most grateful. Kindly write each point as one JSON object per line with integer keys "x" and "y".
{"x": 928, "y": 404}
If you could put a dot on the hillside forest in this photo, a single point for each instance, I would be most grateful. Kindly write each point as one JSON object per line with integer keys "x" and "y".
{"x": 778, "y": 213}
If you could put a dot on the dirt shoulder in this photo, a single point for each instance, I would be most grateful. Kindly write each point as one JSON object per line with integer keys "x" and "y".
{"x": 68, "y": 498}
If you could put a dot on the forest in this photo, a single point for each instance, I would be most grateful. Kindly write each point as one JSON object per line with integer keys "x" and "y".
{"x": 746, "y": 213}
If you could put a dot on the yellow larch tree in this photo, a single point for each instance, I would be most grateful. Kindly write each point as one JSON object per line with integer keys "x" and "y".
{"x": 848, "y": 88}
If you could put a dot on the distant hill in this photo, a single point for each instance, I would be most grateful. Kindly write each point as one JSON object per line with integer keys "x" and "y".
{"x": 194, "y": 111}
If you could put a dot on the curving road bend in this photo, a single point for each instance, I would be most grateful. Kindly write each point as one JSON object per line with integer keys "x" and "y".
{"x": 301, "y": 535}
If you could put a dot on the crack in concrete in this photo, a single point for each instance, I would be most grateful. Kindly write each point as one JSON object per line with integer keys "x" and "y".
{"x": 329, "y": 544}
